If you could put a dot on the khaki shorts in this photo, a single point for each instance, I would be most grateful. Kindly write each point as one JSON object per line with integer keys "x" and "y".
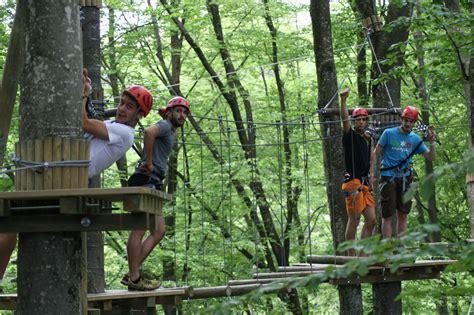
{"x": 391, "y": 194}
{"x": 363, "y": 197}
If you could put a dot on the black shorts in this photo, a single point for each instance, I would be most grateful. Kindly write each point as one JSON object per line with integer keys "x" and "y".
{"x": 391, "y": 196}
{"x": 140, "y": 179}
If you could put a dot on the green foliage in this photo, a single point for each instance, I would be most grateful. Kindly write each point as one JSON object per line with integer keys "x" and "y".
{"x": 207, "y": 202}
{"x": 391, "y": 253}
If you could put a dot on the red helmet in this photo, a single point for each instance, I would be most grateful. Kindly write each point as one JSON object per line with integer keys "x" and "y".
{"x": 360, "y": 112}
{"x": 178, "y": 101}
{"x": 142, "y": 96}
{"x": 410, "y": 112}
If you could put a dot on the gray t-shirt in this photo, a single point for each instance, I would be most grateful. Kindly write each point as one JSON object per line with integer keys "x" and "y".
{"x": 162, "y": 148}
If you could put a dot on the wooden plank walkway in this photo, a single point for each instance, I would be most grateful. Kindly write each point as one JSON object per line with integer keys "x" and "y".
{"x": 122, "y": 299}
{"x": 111, "y": 298}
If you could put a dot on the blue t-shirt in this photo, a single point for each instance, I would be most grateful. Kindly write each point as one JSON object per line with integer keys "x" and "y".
{"x": 397, "y": 146}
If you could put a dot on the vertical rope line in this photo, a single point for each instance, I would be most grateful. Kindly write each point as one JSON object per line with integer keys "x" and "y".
{"x": 254, "y": 199}
{"x": 186, "y": 210}
{"x": 174, "y": 245}
{"x": 230, "y": 201}
{"x": 282, "y": 239}
{"x": 331, "y": 191}
{"x": 306, "y": 186}
{"x": 203, "y": 247}
{"x": 222, "y": 210}
{"x": 369, "y": 32}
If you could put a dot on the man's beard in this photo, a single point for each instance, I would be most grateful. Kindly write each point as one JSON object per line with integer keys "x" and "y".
{"x": 176, "y": 123}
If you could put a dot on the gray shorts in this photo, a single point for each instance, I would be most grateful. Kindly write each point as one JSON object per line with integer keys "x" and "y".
{"x": 391, "y": 195}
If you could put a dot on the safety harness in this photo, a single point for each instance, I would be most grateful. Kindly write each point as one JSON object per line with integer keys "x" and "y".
{"x": 396, "y": 168}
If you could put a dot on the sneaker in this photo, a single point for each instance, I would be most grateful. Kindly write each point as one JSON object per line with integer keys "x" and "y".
{"x": 143, "y": 285}
{"x": 125, "y": 279}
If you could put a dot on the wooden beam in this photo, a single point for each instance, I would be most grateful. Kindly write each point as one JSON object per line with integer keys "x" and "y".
{"x": 256, "y": 281}
{"x": 337, "y": 260}
{"x": 4, "y": 208}
{"x": 8, "y": 302}
{"x": 111, "y": 194}
{"x": 306, "y": 267}
{"x": 124, "y": 294}
{"x": 83, "y": 223}
{"x": 135, "y": 199}
{"x": 286, "y": 274}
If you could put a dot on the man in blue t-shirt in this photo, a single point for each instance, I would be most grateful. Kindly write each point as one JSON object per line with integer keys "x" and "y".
{"x": 397, "y": 146}
{"x": 157, "y": 145}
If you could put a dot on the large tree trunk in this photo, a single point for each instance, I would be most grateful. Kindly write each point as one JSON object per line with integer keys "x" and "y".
{"x": 470, "y": 177}
{"x": 91, "y": 61}
{"x": 420, "y": 83}
{"x": 11, "y": 76}
{"x": 350, "y": 296}
{"x": 49, "y": 263}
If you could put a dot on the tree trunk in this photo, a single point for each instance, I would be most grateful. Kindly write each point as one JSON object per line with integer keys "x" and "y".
{"x": 49, "y": 263}
{"x": 11, "y": 76}
{"x": 350, "y": 296}
{"x": 469, "y": 88}
{"x": 387, "y": 95}
{"x": 384, "y": 298}
{"x": 91, "y": 61}
{"x": 423, "y": 95}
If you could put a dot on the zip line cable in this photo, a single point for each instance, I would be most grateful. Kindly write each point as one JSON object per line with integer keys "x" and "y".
{"x": 369, "y": 32}
{"x": 322, "y": 110}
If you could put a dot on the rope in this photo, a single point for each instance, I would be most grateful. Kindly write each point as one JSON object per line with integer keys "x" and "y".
{"x": 186, "y": 210}
{"x": 203, "y": 247}
{"x": 230, "y": 202}
{"x": 221, "y": 128}
{"x": 369, "y": 32}
{"x": 322, "y": 110}
{"x": 42, "y": 165}
{"x": 306, "y": 185}
{"x": 280, "y": 177}
{"x": 254, "y": 206}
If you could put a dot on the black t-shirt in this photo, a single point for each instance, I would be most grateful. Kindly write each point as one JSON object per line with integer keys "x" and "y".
{"x": 356, "y": 154}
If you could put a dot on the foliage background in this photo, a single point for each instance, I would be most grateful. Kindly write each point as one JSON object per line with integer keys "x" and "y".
{"x": 211, "y": 258}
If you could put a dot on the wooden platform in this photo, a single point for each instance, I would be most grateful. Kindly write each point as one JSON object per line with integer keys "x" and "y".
{"x": 122, "y": 299}
{"x": 78, "y": 209}
{"x": 116, "y": 298}
{"x": 420, "y": 270}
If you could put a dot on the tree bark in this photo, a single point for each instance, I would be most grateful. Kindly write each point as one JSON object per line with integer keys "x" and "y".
{"x": 420, "y": 83}
{"x": 469, "y": 88}
{"x": 384, "y": 298}
{"x": 350, "y": 296}
{"x": 91, "y": 58}
{"x": 11, "y": 76}
{"x": 49, "y": 263}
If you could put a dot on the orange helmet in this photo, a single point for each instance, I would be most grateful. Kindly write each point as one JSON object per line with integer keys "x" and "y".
{"x": 410, "y": 112}
{"x": 142, "y": 96}
{"x": 178, "y": 101}
{"x": 360, "y": 112}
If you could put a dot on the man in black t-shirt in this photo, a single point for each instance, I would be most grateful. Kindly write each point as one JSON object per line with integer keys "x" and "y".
{"x": 359, "y": 199}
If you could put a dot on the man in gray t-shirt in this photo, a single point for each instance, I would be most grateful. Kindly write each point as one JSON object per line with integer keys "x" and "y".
{"x": 162, "y": 146}
{"x": 157, "y": 146}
